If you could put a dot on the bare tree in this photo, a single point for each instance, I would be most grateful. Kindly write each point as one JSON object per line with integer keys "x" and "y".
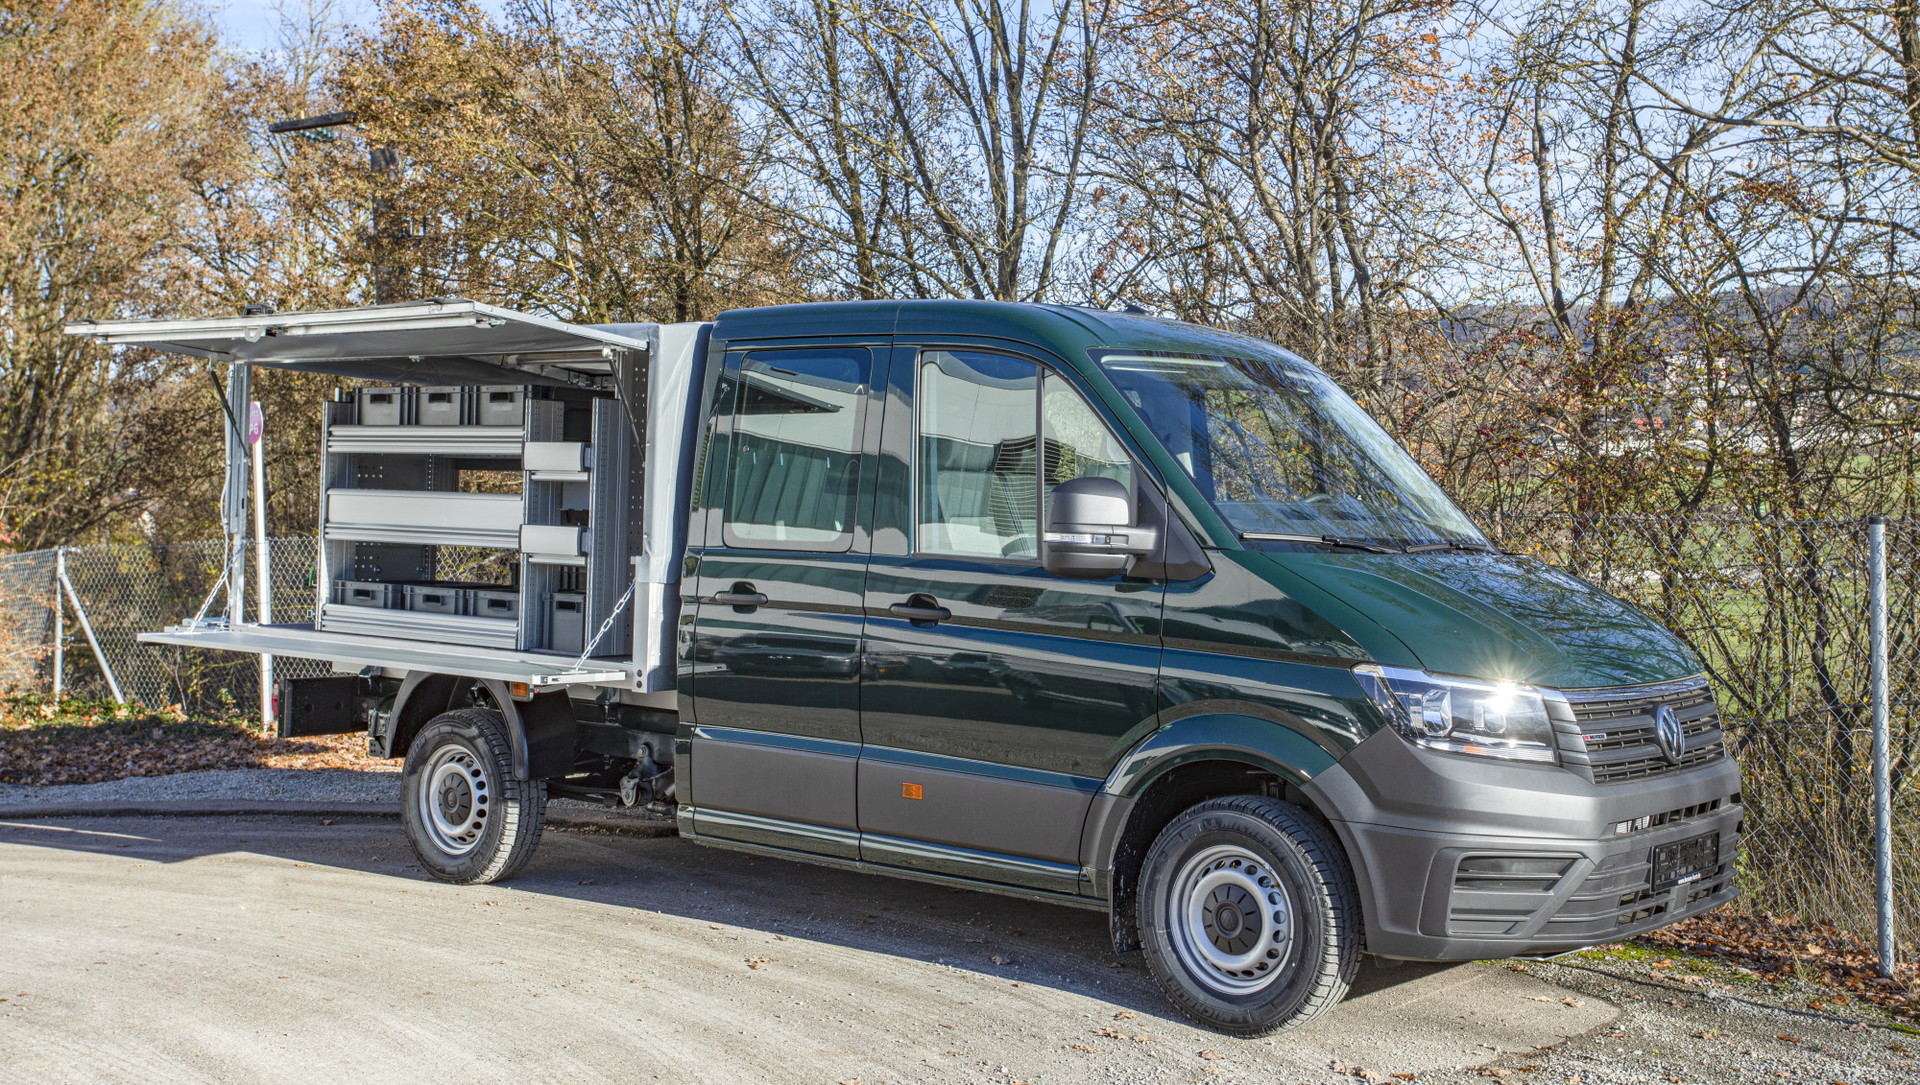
{"x": 939, "y": 145}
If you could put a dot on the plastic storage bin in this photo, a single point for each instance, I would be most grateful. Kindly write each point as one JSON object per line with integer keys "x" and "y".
{"x": 366, "y": 593}
{"x": 502, "y": 405}
{"x": 383, "y": 406}
{"x": 567, "y": 621}
{"x": 443, "y": 405}
{"x": 493, "y": 603}
{"x": 434, "y": 598}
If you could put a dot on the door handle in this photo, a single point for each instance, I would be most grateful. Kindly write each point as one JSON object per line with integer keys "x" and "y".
{"x": 920, "y": 609}
{"x": 741, "y": 597}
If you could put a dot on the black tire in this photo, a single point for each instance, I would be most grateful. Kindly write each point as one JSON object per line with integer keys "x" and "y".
{"x": 469, "y": 821}
{"x": 1248, "y": 915}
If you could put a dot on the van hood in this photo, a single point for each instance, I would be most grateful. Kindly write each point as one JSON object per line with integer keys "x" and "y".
{"x": 1492, "y": 616}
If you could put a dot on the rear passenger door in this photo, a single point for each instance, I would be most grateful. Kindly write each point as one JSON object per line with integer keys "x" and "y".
{"x": 780, "y": 561}
{"x": 997, "y": 695}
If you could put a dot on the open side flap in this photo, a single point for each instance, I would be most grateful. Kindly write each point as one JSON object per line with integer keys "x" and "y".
{"x": 427, "y": 342}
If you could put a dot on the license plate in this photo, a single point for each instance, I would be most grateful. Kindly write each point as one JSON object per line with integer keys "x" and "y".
{"x": 1685, "y": 860}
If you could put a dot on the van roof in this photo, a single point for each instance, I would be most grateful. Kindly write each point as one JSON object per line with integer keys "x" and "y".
{"x": 1069, "y": 329}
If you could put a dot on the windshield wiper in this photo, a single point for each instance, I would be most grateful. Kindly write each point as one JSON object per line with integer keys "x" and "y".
{"x": 1450, "y": 544}
{"x": 1338, "y": 541}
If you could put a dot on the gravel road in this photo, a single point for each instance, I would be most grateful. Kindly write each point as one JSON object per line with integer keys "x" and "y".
{"x": 268, "y": 948}
{"x": 379, "y": 785}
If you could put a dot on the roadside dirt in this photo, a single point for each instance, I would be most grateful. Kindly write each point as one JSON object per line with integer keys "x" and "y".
{"x": 82, "y": 742}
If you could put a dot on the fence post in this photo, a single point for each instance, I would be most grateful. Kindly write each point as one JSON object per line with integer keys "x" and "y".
{"x": 80, "y": 612}
{"x": 59, "y": 621}
{"x": 1882, "y": 779}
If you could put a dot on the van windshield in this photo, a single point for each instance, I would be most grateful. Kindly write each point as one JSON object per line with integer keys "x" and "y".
{"x": 1279, "y": 449}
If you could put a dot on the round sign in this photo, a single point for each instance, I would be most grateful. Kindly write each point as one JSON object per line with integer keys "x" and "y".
{"x": 256, "y": 422}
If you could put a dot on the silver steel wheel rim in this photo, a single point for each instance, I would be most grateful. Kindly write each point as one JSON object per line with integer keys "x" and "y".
{"x": 455, "y": 799}
{"x": 1231, "y": 920}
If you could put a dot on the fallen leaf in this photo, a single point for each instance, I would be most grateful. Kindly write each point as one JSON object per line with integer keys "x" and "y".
{"x": 1082, "y": 1047}
{"x": 1211, "y": 1055}
{"x": 1124, "y": 1015}
{"x": 758, "y": 963}
{"x": 1787, "y": 1038}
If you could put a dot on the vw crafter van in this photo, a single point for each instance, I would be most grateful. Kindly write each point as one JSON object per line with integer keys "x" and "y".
{"x": 1097, "y": 609}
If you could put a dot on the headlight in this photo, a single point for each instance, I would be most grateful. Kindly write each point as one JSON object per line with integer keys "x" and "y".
{"x": 1459, "y": 715}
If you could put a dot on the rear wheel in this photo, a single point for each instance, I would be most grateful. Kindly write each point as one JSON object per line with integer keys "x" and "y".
{"x": 468, "y": 819}
{"x": 1248, "y": 915}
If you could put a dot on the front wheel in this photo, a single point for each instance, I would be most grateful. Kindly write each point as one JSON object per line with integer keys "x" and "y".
{"x": 468, "y": 819}
{"x": 1248, "y": 915}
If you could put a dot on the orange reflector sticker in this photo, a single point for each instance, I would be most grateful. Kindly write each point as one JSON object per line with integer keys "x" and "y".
{"x": 910, "y": 791}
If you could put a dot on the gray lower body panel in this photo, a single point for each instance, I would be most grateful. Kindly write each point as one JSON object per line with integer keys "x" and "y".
{"x": 1004, "y": 875}
{"x": 1462, "y": 860}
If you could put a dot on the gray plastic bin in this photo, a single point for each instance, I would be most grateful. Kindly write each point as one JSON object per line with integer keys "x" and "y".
{"x": 366, "y": 593}
{"x": 493, "y": 603}
{"x": 434, "y": 598}
{"x": 443, "y": 405}
{"x": 502, "y": 405}
{"x": 383, "y": 406}
{"x": 567, "y": 621}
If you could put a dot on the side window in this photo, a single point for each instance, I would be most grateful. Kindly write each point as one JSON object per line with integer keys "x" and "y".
{"x": 795, "y": 436}
{"x": 1078, "y": 443}
{"x": 976, "y": 483}
{"x": 996, "y": 435}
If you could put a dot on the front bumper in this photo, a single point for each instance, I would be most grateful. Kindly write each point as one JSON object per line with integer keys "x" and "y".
{"x": 1458, "y": 858}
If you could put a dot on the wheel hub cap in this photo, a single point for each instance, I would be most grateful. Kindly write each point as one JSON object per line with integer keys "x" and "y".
{"x": 1231, "y": 920}
{"x": 455, "y": 800}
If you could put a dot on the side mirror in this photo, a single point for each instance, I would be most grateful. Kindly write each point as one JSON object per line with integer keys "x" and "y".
{"x": 1091, "y": 533}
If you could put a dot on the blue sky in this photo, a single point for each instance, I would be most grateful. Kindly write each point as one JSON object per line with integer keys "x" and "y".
{"x": 250, "y": 24}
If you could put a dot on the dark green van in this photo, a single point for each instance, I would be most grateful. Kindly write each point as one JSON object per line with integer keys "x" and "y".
{"x": 1098, "y": 609}
{"x": 1106, "y": 608}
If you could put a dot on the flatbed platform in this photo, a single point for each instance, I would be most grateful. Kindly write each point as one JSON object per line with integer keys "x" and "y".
{"x": 306, "y": 642}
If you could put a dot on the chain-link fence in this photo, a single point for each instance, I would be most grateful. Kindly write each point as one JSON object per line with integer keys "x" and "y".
{"x": 1778, "y": 613}
{"x": 1777, "y": 610}
{"x": 116, "y": 592}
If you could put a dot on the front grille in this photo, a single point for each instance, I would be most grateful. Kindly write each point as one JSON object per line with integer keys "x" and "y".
{"x": 1617, "y": 736}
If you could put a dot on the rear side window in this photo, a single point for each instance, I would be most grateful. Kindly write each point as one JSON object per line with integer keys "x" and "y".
{"x": 996, "y": 434}
{"x": 793, "y": 465}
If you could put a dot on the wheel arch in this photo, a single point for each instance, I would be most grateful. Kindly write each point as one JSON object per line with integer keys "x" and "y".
{"x": 540, "y": 729}
{"x": 1188, "y": 762}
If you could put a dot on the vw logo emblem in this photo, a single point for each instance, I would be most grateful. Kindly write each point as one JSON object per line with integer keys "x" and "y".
{"x": 1668, "y": 732}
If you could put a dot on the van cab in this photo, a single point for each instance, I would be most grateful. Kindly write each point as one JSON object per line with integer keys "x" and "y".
{"x": 1154, "y": 617}
{"x": 1093, "y": 608}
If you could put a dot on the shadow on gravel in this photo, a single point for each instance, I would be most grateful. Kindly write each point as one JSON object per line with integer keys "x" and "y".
{"x": 1022, "y": 942}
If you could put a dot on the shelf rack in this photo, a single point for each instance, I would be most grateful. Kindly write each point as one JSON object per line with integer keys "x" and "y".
{"x": 392, "y": 500}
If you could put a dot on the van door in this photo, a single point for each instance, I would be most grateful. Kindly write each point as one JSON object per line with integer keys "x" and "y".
{"x": 997, "y": 695}
{"x": 773, "y": 660}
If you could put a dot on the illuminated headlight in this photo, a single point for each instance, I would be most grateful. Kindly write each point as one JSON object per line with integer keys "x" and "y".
{"x": 1460, "y": 715}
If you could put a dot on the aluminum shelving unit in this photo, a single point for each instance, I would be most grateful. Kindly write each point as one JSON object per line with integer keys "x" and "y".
{"x": 602, "y": 452}
{"x": 392, "y": 500}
